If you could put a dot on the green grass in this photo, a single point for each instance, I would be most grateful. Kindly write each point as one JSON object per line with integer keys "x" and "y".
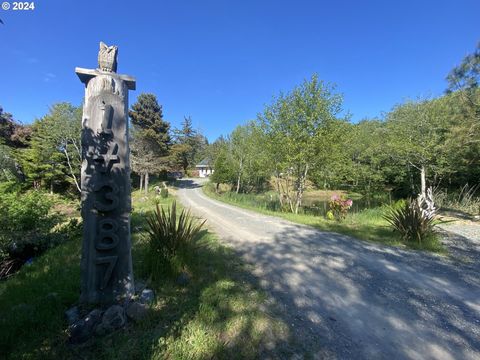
{"x": 366, "y": 225}
{"x": 221, "y": 313}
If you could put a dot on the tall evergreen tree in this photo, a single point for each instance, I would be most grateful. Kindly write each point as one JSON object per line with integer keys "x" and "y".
{"x": 189, "y": 143}
{"x": 151, "y": 140}
{"x": 7, "y": 127}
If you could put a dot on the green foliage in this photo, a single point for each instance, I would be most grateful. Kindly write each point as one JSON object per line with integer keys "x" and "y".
{"x": 415, "y": 138}
{"x": 25, "y": 223}
{"x": 364, "y": 163}
{"x": 466, "y": 76}
{"x": 224, "y": 172}
{"x": 301, "y": 128}
{"x": 164, "y": 193}
{"x": 462, "y": 143}
{"x": 304, "y": 138}
{"x": 410, "y": 222}
{"x": 36, "y": 297}
{"x": 169, "y": 240}
{"x": 147, "y": 114}
{"x": 7, "y": 164}
{"x": 24, "y": 212}
{"x": 7, "y": 127}
{"x": 248, "y": 158}
{"x": 14, "y": 138}
{"x": 150, "y": 136}
{"x": 220, "y": 313}
{"x": 189, "y": 145}
{"x": 240, "y": 159}
{"x": 147, "y": 117}
{"x": 330, "y": 215}
{"x": 54, "y": 155}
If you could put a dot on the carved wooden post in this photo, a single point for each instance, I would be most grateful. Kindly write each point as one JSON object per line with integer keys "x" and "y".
{"x": 106, "y": 265}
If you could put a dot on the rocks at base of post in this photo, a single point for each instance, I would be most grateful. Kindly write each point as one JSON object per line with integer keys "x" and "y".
{"x": 136, "y": 311}
{"x": 113, "y": 318}
{"x": 85, "y": 324}
{"x": 82, "y": 329}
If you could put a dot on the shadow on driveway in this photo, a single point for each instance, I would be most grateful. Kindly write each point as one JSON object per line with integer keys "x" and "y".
{"x": 351, "y": 299}
{"x": 357, "y": 300}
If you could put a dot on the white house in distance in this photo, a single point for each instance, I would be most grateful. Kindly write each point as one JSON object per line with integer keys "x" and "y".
{"x": 204, "y": 169}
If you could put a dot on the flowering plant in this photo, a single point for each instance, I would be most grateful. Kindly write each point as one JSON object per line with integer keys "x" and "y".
{"x": 338, "y": 207}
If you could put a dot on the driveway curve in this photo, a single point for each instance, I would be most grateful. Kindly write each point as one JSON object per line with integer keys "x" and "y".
{"x": 350, "y": 299}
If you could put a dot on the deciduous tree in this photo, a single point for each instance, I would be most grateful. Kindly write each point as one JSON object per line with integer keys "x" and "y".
{"x": 54, "y": 154}
{"x": 417, "y": 131}
{"x": 301, "y": 128}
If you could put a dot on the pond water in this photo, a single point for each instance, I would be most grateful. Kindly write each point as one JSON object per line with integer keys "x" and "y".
{"x": 320, "y": 207}
{"x": 312, "y": 204}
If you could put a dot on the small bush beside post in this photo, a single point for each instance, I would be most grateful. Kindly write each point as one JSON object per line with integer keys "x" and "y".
{"x": 169, "y": 240}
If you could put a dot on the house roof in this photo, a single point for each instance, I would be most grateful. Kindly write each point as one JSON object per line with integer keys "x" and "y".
{"x": 205, "y": 162}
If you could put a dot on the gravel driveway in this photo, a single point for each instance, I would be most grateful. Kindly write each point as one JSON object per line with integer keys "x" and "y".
{"x": 350, "y": 299}
{"x": 462, "y": 239}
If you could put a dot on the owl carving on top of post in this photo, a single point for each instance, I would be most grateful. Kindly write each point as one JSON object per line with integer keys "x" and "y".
{"x": 107, "y": 58}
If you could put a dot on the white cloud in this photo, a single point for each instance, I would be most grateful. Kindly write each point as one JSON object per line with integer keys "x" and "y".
{"x": 49, "y": 77}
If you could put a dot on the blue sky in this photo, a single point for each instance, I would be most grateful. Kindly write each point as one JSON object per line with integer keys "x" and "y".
{"x": 221, "y": 61}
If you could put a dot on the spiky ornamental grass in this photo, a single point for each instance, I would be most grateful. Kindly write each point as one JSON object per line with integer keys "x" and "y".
{"x": 410, "y": 221}
{"x": 169, "y": 239}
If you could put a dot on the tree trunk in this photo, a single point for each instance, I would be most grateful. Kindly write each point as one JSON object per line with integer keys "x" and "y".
{"x": 78, "y": 152}
{"x": 146, "y": 183}
{"x": 300, "y": 189}
{"x": 141, "y": 182}
{"x": 216, "y": 187}
{"x": 412, "y": 181}
{"x": 279, "y": 191}
{"x": 238, "y": 184}
{"x": 72, "y": 173}
{"x": 288, "y": 195}
{"x": 239, "y": 176}
{"x": 51, "y": 187}
{"x": 423, "y": 182}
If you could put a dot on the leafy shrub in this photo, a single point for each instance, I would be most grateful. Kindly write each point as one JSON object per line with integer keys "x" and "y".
{"x": 25, "y": 222}
{"x": 410, "y": 221}
{"x": 330, "y": 215}
{"x": 71, "y": 228}
{"x": 164, "y": 193}
{"x": 338, "y": 207}
{"x": 9, "y": 187}
{"x": 169, "y": 239}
